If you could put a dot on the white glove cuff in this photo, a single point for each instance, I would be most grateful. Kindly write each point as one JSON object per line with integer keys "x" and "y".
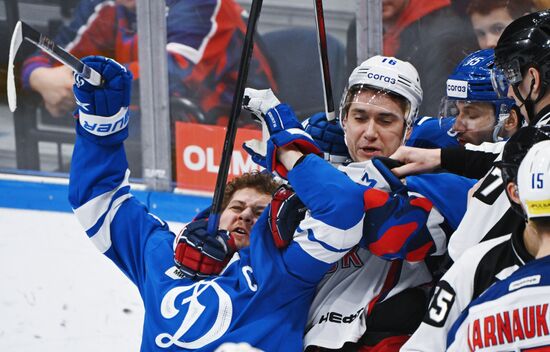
{"x": 104, "y": 126}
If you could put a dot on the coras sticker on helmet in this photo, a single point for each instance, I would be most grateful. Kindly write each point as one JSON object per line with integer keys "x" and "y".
{"x": 389, "y": 75}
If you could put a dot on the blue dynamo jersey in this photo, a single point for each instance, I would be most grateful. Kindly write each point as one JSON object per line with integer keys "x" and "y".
{"x": 432, "y": 132}
{"x": 512, "y": 315}
{"x": 263, "y": 295}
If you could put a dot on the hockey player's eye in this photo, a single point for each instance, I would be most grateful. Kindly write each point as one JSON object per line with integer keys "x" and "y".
{"x": 479, "y": 34}
{"x": 497, "y": 28}
{"x": 236, "y": 208}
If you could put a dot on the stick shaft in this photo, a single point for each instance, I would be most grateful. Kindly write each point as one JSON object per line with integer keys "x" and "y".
{"x": 51, "y": 48}
{"x": 323, "y": 59}
{"x": 214, "y": 218}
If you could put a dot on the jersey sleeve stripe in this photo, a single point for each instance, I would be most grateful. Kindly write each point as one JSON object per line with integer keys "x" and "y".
{"x": 90, "y": 212}
{"x": 327, "y": 243}
{"x": 102, "y": 238}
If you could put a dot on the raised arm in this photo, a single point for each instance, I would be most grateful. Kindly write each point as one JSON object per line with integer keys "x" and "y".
{"x": 99, "y": 192}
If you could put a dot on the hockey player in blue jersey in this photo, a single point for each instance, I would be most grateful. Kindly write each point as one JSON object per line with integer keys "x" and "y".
{"x": 481, "y": 111}
{"x": 514, "y": 314}
{"x": 263, "y": 295}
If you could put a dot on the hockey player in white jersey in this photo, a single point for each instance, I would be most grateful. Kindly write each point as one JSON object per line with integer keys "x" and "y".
{"x": 514, "y": 314}
{"x": 484, "y": 264}
{"x": 379, "y": 104}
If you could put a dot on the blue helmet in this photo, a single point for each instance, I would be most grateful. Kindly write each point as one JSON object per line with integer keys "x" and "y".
{"x": 472, "y": 80}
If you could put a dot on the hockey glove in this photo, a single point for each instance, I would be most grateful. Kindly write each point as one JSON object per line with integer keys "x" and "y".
{"x": 103, "y": 110}
{"x": 257, "y": 150}
{"x": 198, "y": 254}
{"x": 329, "y": 135}
{"x": 394, "y": 226}
{"x": 283, "y": 126}
{"x": 285, "y": 213}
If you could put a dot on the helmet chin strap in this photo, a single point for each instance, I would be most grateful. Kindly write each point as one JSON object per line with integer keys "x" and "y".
{"x": 528, "y": 102}
{"x": 496, "y": 131}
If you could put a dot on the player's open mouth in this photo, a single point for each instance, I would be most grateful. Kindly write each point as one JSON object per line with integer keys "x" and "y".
{"x": 239, "y": 232}
{"x": 369, "y": 150}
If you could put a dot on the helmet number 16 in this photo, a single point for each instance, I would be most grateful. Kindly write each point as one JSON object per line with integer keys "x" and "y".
{"x": 389, "y": 61}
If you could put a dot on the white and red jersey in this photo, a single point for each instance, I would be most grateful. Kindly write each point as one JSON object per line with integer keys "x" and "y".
{"x": 358, "y": 281}
{"x": 512, "y": 315}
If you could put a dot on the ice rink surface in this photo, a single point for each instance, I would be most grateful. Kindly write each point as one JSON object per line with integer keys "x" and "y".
{"x": 58, "y": 292}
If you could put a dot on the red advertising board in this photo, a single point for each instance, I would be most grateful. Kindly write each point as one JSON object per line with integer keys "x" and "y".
{"x": 198, "y": 155}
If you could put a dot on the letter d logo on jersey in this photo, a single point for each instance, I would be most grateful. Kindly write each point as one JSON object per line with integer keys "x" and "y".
{"x": 457, "y": 89}
{"x": 188, "y": 296}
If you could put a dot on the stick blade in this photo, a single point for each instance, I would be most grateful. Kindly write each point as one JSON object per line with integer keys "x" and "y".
{"x": 16, "y": 40}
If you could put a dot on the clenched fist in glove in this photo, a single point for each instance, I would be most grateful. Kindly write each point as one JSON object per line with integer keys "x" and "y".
{"x": 395, "y": 224}
{"x": 199, "y": 254}
{"x": 283, "y": 126}
{"x": 329, "y": 136}
{"x": 103, "y": 110}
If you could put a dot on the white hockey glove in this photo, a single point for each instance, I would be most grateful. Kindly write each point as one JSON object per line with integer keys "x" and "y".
{"x": 282, "y": 125}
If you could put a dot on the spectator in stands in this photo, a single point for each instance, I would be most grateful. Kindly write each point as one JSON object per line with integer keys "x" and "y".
{"x": 204, "y": 41}
{"x": 429, "y": 35}
{"x": 490, "y": 17}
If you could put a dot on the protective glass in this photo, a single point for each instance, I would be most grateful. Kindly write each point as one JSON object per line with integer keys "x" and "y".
{"x": 364, "y": 99}
{"x": 471, "y": 115}
{"x": 505, "y": 75}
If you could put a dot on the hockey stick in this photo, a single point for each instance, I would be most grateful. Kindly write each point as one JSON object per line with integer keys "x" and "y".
{"x": 23, "y": 31}
{"x": 215, "y": 212}
{"x": 323, "y": 58}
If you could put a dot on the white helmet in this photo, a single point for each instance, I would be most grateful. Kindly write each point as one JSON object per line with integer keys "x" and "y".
{"x": 534, "y": 181}
{"x": 388, "y": 74}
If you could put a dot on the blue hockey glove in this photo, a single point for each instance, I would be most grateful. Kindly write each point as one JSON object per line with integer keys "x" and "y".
{"x": 384, "y": 166}
{"x": 103, "y": 110}
{"x": 283, "y": 126}
{"x": 198, "y": 254}
{"x": 329, "y": 135}
{"x": 395, "y": 223}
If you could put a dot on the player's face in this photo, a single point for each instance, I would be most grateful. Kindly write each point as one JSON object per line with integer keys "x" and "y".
{"x": 374, "y": 125}
{"x": 475, "y": 122}
{"x": 488, "y": 28}
{"x": 241, "y": 213}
